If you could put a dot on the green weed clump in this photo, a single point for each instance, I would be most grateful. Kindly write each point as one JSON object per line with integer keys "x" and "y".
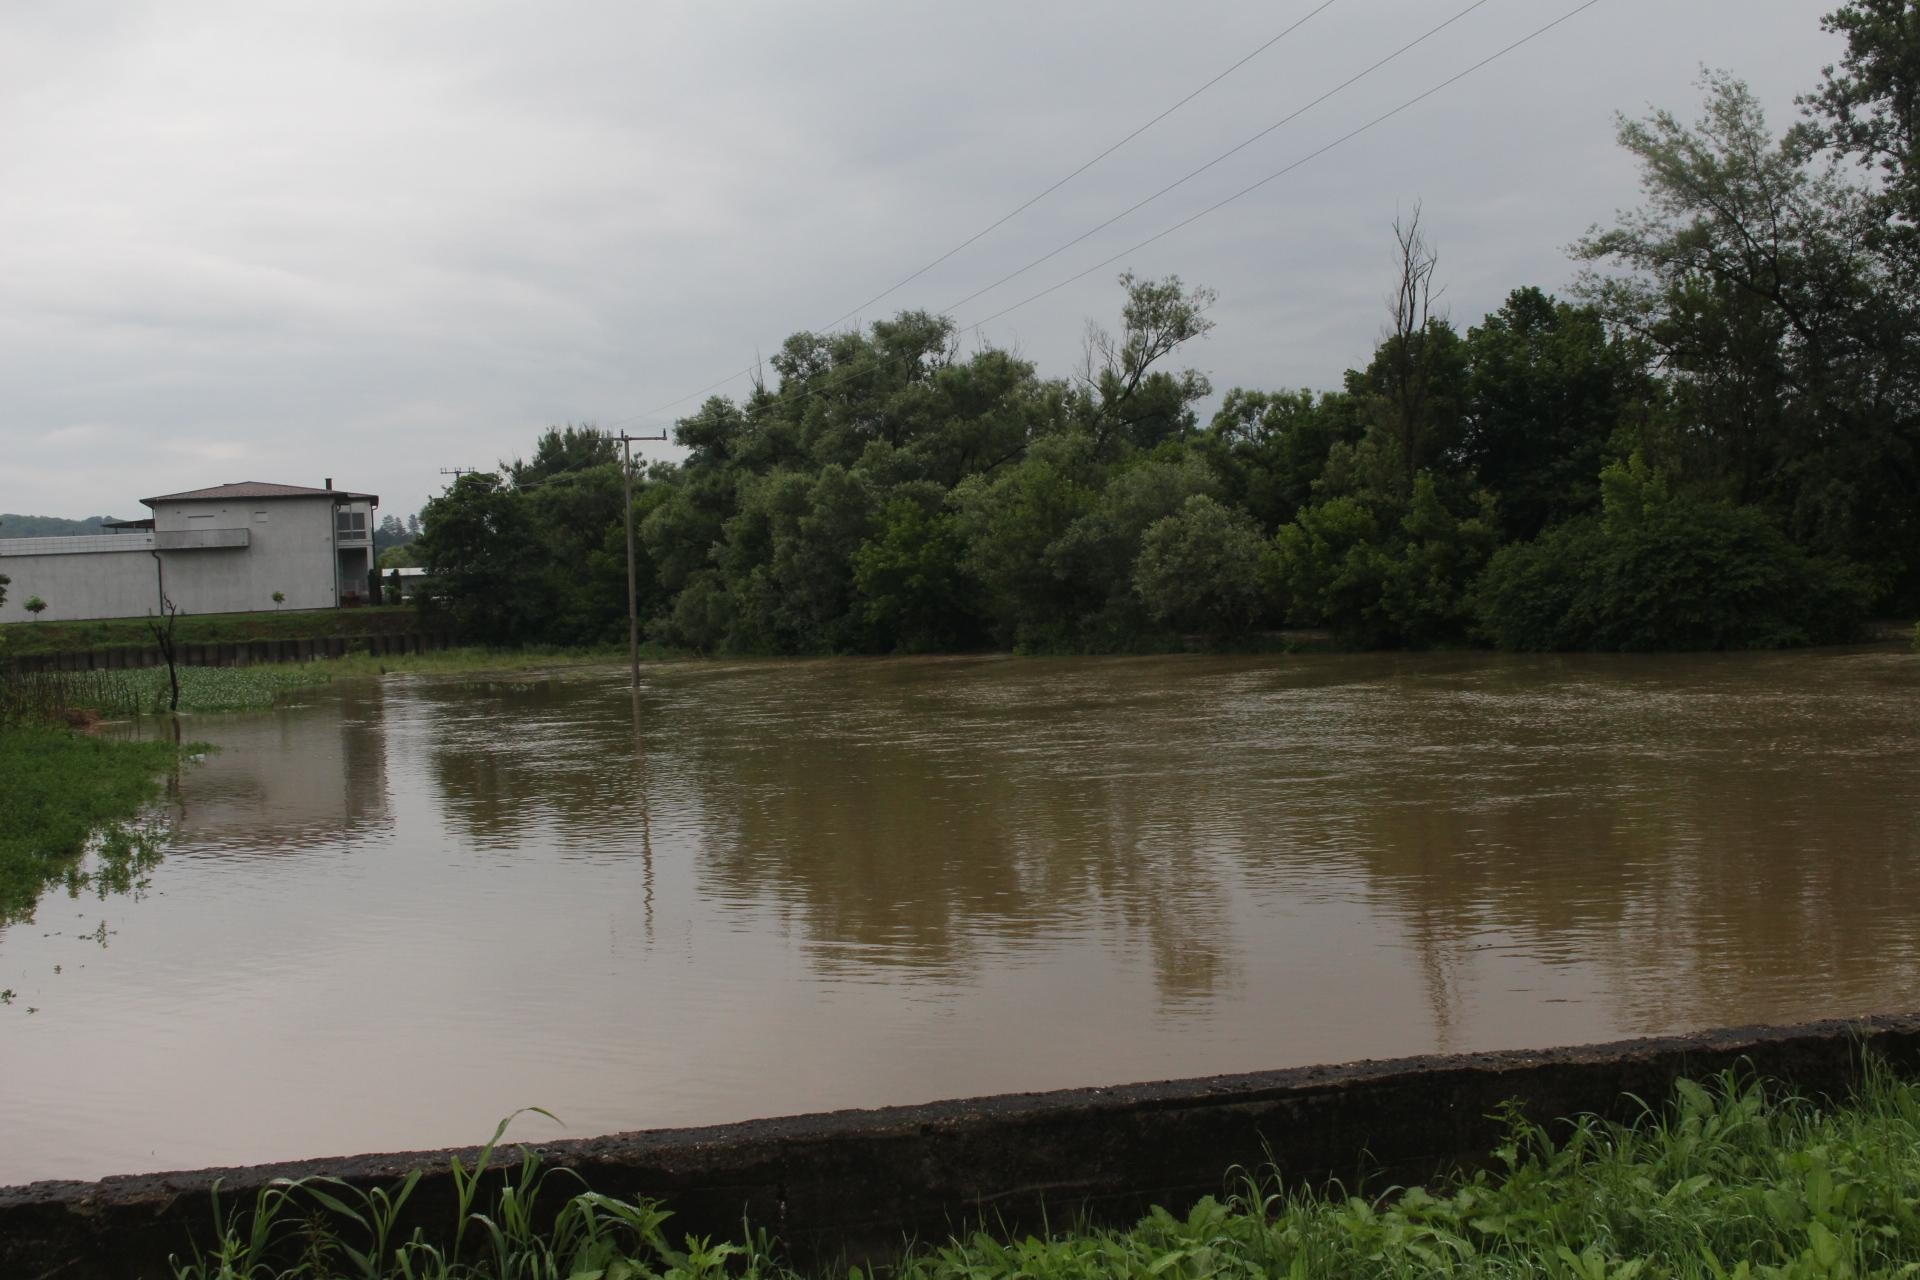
{"x": 1728, "y": 1181}
{"x": 324, "y": 1229}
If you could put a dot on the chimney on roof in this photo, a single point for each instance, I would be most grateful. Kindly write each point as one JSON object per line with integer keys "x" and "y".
{"x": 329, "y": 482}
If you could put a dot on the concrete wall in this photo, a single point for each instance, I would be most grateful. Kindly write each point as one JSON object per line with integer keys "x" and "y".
{"x": 290, "y": 549}
{"x": 854, "y": 1184}
{"x": 89, "y": 576}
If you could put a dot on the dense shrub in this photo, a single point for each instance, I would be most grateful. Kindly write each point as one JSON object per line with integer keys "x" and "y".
{"x": 1659, "y": 572}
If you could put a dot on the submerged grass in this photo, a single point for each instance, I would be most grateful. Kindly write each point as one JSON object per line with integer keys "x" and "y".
{"x": 144, "y": 691}
{"x": 1729, "y": 1179}
{"x": 211, "y": 628}
{"x": 64, "y": 792}
{"x": 475, "y": 660}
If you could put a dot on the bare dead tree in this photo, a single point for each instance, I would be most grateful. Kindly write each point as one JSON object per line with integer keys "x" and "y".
{"x": 1410, "y": 350}
{"x": 163, "y": 637}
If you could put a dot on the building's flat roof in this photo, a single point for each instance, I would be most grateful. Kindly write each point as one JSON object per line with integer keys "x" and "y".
{"x": 252, "y": 490}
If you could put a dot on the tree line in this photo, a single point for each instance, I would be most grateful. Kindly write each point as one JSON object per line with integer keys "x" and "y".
{"x": 1710, "y": 443}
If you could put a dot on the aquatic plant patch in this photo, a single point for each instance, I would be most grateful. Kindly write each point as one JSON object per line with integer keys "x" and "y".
{"x": 64, "y": 791}
{"x": 1728, "y": 1178}
{"x": 25, "y": 638}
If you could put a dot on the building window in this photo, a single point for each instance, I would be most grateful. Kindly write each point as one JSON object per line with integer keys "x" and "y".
{"x": 259, "y": 517}
{"x": 352, "y": 523}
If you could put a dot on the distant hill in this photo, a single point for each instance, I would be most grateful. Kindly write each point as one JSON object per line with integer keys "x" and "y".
{"x": 13, "y": 526}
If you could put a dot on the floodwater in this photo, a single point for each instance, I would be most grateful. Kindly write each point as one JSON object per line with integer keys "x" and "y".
{"x": 391, "y": 917}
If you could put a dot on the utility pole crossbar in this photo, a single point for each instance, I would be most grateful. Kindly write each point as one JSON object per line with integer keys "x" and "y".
{"x": 633, "y": 594}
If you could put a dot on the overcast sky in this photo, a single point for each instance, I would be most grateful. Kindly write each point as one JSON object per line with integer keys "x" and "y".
{"x": 368, "y": 240}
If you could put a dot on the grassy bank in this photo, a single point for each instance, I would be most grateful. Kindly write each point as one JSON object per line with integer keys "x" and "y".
{"x": 1728, "y": 1179}
{"x": 26, "y": 638}
{"x": 62, "y": 790}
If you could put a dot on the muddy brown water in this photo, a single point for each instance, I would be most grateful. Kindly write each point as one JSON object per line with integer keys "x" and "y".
{"x": 394, "y": 915}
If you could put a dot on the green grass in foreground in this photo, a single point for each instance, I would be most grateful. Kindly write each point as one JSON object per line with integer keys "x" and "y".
{"x": 212, "y": 628}
{"x": 62, "y": 791}
{"x": 1728, "y": 1180}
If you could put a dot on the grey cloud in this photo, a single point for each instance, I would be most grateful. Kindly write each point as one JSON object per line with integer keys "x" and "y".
{"x": 368, "y": 241}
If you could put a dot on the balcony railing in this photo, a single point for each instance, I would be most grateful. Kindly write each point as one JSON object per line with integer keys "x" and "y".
{"x": 76, "y": 544}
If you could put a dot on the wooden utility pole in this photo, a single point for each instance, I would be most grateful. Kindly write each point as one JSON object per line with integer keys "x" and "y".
{"x": 633, "y": 594}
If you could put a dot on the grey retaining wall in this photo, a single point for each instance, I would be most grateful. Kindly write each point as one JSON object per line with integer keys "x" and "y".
{"x": 856, "y": 1183}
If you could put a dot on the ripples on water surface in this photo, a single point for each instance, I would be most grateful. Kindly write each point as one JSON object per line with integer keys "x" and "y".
{"x": 393, "y": 916}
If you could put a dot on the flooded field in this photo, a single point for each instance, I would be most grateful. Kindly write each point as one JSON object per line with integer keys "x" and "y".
{"x": 388, "y": 918}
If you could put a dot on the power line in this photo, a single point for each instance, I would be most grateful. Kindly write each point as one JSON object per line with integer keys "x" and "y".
{"x": 1233, "y": 150}
{"x": 842, "y": 375}
{"x": 1280, "y": 173}
{"x": 976, "y": 326}
{"x": 1016, "y": 212}
{"x": 1022, "y": 208}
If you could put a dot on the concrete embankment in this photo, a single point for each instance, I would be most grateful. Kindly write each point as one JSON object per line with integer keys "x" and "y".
{"x": 856, "y": 1183}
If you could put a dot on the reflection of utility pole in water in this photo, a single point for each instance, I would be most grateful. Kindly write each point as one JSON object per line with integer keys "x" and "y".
{"x": 646, "y": 818}
{"x": 1439, "y": 969}
{"x": 633, "y": 596}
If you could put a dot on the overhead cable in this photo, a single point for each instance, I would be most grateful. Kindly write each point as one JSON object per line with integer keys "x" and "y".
{"x": 1233, "y": 150}
{"x": 976, "y": 326}
{"x": 1017, "y": 211}
{"x": 1020, "y": 209}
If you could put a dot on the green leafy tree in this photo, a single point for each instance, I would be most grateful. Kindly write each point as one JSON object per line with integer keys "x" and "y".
{"x": 913, "y": 592}
{"x": 1199, "y": 570}
{"x": 1092, "y": 560}
{"x": 561, "y": 450}
{"x": 1661, "y": 571}
{"x": 1867, "y": 109}
{"x": 1008, "y": 521}
{"x": 1270, "y": 448}
{"x": 1547, "y": 389}
{"x": 391, "y": 533}
{"x": 1750, "y": 273}
{"x": 1332, "y": 565}
{"x": 1442, "y": 553}
{"x": 1134, "y": 401}
{"x": 35, "y": 606}
{"x": 480, "y": 546}
{"x": 1375, "y": 579}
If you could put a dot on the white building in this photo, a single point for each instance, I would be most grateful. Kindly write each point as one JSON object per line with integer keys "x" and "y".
{"x": 221, "y": 550}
